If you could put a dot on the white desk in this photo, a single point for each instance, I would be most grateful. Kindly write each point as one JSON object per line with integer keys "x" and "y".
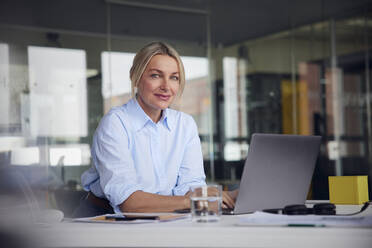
{"x": 184, "y": 233}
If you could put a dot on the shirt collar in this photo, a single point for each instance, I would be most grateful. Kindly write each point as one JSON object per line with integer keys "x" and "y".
{"x": 141, "y": 118}
{"x": 166, "y": 119}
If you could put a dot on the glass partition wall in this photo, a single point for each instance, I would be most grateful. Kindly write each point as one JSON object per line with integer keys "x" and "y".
{"x": 308, "y": 80}
{"x": 56, "y": 85}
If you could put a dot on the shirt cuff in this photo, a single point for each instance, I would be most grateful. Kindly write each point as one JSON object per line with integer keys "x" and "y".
{"x": 183, "y": 189}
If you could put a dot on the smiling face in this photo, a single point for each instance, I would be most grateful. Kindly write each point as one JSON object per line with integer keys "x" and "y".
{"x": 158, "y": 85}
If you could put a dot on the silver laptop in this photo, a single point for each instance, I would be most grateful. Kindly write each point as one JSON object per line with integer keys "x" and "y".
{"x": 277, "y": 172}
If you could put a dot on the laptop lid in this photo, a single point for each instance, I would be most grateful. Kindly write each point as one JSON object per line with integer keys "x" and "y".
{"x": 277, "y": 171}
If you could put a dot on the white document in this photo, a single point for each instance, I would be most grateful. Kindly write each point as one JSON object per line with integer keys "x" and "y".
{"x": 261, "y": 218}
{"x": 133, "y": 218}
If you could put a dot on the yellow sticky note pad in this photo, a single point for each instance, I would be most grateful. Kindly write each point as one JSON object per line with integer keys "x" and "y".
{"x": 348, "y": 189}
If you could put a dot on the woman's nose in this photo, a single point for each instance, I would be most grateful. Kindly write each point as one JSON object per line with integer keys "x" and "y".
{"x": 165, "y": 84}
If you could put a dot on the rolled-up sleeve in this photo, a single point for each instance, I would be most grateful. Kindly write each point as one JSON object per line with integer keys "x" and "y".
{"x": 191, "y": 171}
{"x": 113, "y": 160}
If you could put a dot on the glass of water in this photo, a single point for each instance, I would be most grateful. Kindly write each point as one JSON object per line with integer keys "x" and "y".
{"x": 206, "y": 203}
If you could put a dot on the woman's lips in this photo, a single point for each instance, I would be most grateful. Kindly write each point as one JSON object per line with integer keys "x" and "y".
{"x": 163, "y": 97}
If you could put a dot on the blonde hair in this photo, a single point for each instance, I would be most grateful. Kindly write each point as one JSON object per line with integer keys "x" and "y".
{"x": 144, "y": 56}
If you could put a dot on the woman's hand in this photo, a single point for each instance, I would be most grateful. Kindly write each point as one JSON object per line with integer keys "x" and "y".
{"x": 229, "y": 198}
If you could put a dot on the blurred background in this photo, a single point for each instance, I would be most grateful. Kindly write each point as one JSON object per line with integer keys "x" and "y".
{"x": 269, "y": 66}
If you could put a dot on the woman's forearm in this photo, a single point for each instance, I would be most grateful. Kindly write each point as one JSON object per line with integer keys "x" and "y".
{"x": 141, "y": 201}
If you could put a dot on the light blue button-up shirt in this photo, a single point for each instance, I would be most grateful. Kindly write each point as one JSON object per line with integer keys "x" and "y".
{"x": 130, "y": 152}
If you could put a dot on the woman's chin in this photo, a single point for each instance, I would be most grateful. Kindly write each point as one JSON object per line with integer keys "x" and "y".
{"x": 164, "y": 104}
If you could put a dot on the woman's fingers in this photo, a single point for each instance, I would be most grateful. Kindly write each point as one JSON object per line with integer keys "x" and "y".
{"x": 227, "y": 200}
{"x": 234, "y": 194}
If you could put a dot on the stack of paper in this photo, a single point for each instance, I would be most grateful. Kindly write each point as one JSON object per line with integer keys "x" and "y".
{"x": 261, "y": 218}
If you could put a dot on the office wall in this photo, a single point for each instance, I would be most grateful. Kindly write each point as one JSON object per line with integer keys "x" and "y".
{"x": 283, "y": 87}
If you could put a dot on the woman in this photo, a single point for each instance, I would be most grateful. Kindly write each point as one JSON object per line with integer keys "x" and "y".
{"x": 146, "y": 155}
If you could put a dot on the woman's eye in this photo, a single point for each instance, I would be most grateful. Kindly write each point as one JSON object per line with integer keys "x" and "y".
{"x": 154, "y": 75}
{"x": 175, "y": 78}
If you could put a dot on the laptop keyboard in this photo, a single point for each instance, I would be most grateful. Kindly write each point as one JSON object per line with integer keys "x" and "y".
{"x": 227, "y": 211}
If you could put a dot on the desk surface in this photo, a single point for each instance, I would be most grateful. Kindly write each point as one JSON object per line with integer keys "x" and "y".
{"x": 184, "y": 233}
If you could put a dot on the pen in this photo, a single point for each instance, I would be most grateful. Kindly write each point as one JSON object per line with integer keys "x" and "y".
{"x": 129, "y": 218}
{"x": 306, "y": 225}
